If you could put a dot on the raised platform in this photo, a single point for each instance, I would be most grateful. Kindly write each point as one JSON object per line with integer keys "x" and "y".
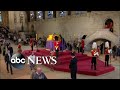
{"x": 84, "y": 63}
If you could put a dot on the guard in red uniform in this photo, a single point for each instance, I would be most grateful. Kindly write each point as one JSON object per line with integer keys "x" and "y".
{"x": 82, "y": 45}
{"x": 98, "y": 50}
{"x": 19, "y": 48}
{"x": 95, "y": 54}
{"x": 107, "y": 53}
{"x": 57, "y": 46}
{"x": 31, "y": 43}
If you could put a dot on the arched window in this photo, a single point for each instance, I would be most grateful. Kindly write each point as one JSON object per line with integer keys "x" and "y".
{"x": 0, "y": 17}
{"x": 31, "y": 15}
{"x": 50, "y": 14}
{"x": 39, "y": 15}
{"x": 63, "y": 13}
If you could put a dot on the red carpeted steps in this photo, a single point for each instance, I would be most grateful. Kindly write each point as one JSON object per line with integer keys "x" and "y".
{"x": 84, "y": 62}
{"x": 67, "y": 59}
{"x": 85, "y": 68}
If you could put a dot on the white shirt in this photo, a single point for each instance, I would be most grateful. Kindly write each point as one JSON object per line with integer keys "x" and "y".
{"x": 32, "y": 57}
{"x": 19, "y": 40}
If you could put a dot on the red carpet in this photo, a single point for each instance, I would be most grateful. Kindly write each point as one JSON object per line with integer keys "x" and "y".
{"x": 84, "y": 63}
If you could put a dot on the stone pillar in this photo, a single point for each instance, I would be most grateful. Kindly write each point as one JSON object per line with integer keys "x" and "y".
{"x": 43, "y": 14}
{"x": 5, "y": 21}
{"x": 57, "y": 14}
{"x": 35, "y": 16}
{"x": 11, "y": 20}
{"x": 46, "y": 14}
{"x": 54, "y": 14}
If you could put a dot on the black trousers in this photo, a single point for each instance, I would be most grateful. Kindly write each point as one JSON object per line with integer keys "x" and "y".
{"x": 8, "y": 65}
{"x": 32, "y": 47}
{"x": 81, "y": 50}
{"x": 4, "y": 53}
{"x": 73, "y": 74}
{"x": 106, "y": 60}
{"x": 57, "y": 53}
{"x": 101, "y": 51}
{"x": 93, "y": 63}
{"x": 78, "y": 49}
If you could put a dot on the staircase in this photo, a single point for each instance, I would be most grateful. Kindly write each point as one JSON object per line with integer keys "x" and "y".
{"x": 102, "y": 34}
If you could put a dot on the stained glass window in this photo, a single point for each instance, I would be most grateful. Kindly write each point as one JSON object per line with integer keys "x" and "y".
{"x": 50, "y": 14}
{"x": 39, "y": 15}
{"x": 63, "y": 13}
{"x": 31, "y": 15}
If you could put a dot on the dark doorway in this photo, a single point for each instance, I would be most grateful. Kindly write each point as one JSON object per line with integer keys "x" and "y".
{"x": 101, "y": 44}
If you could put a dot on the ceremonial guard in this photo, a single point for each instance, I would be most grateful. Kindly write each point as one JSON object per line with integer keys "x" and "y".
{"x": 57, "y": 46}
{"x": 82, "y": 45}
{"x": 107, "y": 54}
{"x": 19, "y": 48}
{"x": 95, "y": 54}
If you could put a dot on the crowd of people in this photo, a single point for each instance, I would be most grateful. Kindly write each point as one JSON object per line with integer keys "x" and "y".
{"x": 7, "y": 51}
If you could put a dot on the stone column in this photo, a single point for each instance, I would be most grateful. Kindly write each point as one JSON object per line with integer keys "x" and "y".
{"x": 46, "y": 14}
{"x": 119, "y": 32}
{"x": 11, "y": 20}
{"x": 35, "y": 15}
{"x": 57, "y": 14}
{"x": 43, "y": 14}
{"x": 4, "y": 15}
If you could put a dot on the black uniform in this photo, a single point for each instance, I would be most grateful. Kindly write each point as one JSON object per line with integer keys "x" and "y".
{"x": 106, "y": 57}
{"x": 11, "y": 50}
{"x": 73, "y": 68}
{"x": 8, "y": 63}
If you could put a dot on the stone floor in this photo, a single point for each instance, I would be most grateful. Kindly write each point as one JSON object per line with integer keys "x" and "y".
{"x": 26, "y": 72}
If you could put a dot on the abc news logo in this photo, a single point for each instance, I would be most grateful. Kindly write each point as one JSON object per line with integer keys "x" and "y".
{"x": 35, "y": 60}
{"x": 18, "y": 60}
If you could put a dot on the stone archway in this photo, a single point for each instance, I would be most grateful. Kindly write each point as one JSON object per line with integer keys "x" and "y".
{"x": 101, "y": 34}
{"x": 99, "y": 41}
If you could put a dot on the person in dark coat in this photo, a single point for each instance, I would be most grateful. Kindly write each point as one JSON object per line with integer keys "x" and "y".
{"x": 10, "y": 49}
{"x": 70, "y": 47}
{"x": 8, "y": 63}
{"x": 38, "y": 74}
{"x": 4, "y": 50}
{"x": 118, "y": 51}
{"x": 101, "y": 48}
{"x": 114, "y": 50}
{"x": 73, "y": 66}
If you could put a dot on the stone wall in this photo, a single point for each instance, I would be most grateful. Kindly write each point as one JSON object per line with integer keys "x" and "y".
{"x": 75, "y": 25}
{"x": 70, "y": 27}
{"x": 16, "y": 25}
